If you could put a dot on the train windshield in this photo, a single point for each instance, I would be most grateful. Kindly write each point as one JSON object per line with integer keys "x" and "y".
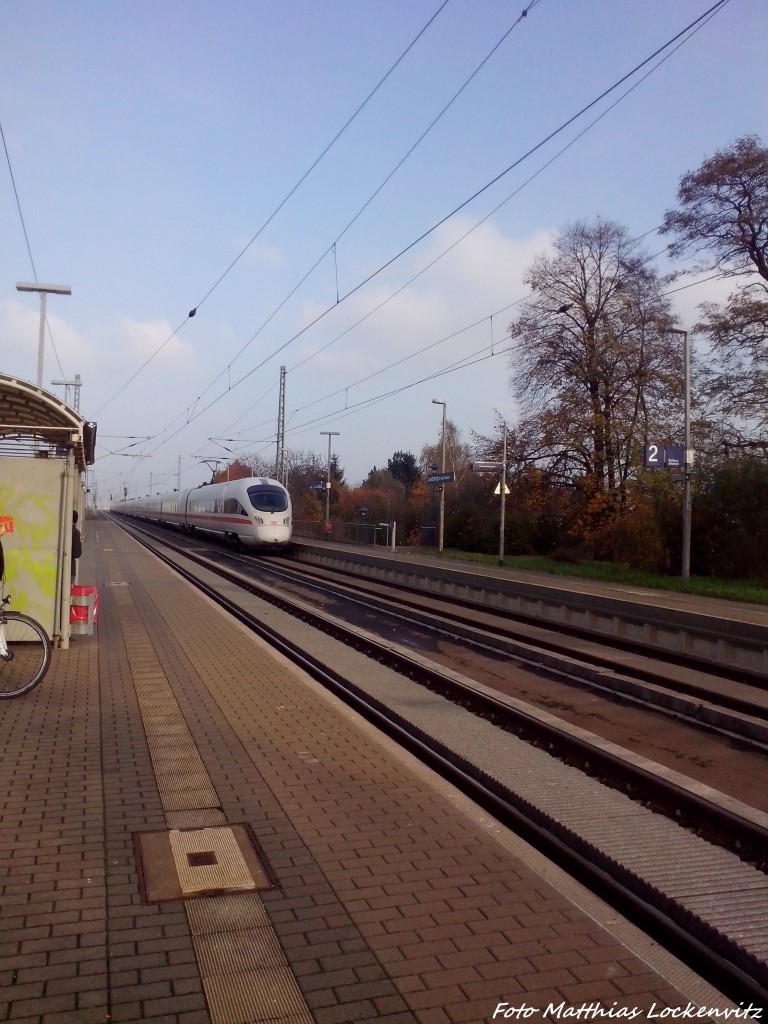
{"x": 268, "y": 498}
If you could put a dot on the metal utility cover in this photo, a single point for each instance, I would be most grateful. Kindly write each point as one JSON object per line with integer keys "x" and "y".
{"x": 186, "y": 863}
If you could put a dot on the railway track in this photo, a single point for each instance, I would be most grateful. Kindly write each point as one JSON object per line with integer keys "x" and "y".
{"x": 709, "y": 699}
{"x": 730, "y": 637}
{"x": 704, "y": 816}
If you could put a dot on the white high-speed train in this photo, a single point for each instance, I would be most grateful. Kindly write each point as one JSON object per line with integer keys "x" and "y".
{"x": 255, "y": 511}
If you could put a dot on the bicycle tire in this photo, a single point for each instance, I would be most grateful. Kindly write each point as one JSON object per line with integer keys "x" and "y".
{"x": 30, "y": 651}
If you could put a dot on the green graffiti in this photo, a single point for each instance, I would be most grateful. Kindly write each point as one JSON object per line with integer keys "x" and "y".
{"x": 30, "y": 492}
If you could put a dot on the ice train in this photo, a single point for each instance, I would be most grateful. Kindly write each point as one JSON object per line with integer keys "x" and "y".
{"x": 254, "y": 511}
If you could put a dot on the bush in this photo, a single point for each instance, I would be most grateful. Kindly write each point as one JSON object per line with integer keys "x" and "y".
{"x": 730, "y": 523}
{"x": 635, "y": 541}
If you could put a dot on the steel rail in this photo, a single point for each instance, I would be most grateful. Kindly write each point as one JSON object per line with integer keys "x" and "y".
{"x": 718, "y": 824}
{"x": 721, "y": 967}
{"x": 509, "y": 642}
{"x": 515, "y": 597}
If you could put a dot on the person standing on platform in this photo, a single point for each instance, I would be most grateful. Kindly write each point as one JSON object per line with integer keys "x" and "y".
{"x": 77, "y": 544}
{"x": 3, "y": 530}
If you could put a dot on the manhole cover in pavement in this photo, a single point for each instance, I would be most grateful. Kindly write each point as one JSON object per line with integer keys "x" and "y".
{"x": 185, "y": 863}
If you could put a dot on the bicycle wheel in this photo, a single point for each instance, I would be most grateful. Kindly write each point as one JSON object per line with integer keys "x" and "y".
{"x": 29, "y": 651}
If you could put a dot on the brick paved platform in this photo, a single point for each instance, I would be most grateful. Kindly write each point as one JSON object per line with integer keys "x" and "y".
{"x": 390, "y": 898}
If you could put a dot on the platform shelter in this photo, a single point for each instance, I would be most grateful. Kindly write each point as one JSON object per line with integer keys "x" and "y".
{"x": 45, "y": 449}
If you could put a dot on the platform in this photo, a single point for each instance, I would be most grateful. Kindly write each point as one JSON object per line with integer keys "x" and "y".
{"x": 193, "y": 831}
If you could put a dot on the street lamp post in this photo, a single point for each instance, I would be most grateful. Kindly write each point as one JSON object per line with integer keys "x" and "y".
{"x": 43, "y": 289}
{"x": 436, "y": 401}
{"x": 503, "y": 492}
{"x": 330, "y": 434}
{"x": 688, "y": 459}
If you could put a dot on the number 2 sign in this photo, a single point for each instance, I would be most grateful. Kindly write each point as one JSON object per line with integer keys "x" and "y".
{"x": 659, "y": 457}
{"x": 653, "y": 457}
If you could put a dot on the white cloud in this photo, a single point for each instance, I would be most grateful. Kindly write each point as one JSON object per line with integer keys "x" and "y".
{"x": 686, "y": 302}
{"x": 480, "y": 276}
{"x": 261, "y": 255}
{"x": 485, "y": 264}
{"x": 121, "y": 347}
{"x": 133, "y": 342}
{"x": 64, "y": 351}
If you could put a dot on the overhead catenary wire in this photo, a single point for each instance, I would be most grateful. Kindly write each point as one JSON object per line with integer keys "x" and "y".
{"x": 332, "y": 249}
{"x": 26, "y": 240}
{"x": 481, "y": 355}
{"x": 681, "y": 35}
{"x": 279, "y": 207}
{"x": 328, "y": 417}
{"x": 488, "y": 351}
{"x": 692, "y": 26}
{"x": 472, "y": 359}
{"x": 18, "y": 203}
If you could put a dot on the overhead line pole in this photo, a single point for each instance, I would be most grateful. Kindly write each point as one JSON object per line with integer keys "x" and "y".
{"x": 280, "y": 455}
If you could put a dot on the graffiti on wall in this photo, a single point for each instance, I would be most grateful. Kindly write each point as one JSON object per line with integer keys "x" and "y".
{"x": 30, "y": 491}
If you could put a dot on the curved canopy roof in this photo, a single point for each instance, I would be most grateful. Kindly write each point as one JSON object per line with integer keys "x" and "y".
{"x": 35, "y": 423}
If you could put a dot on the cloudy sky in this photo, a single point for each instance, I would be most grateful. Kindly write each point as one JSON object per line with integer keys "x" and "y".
{"x": 351, "y": 189}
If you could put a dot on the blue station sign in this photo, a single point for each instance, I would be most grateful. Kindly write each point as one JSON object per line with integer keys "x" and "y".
{"x": 441, "y": 478}
{"x": 671, "y": 456}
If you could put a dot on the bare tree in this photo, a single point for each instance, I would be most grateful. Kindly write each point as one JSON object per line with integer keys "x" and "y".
{"x": 734, "y": 382}
{"x": 592, "y": 366}
{"x": 724, "y": 210}
{"x": 723, "y": 213}
{"x": 457, "y": 453}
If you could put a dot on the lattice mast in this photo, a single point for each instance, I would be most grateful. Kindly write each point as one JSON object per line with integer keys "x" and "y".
{"x": 280, "y": 473}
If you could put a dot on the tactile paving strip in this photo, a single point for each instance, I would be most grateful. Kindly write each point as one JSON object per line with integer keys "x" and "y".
{"x": 263, "y": 994}
{"x": 261, "y": 988}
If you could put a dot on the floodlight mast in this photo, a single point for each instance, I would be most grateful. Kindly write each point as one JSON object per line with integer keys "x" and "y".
{"x": 43, "y": 289}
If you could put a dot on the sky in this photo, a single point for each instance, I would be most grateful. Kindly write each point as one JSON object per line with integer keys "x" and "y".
{"x": 350, "y": 189}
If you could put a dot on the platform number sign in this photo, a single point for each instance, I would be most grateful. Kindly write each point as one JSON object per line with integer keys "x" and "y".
{"x": 653, "y": 457}
{"x": 657, "y": 456}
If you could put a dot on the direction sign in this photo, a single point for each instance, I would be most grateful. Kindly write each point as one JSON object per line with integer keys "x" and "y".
{"x": 485, "y": 467}
{"x": 441, "y": 478}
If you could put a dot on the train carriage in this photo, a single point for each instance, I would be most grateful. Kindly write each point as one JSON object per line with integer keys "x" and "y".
{"x": 253, "y": 511}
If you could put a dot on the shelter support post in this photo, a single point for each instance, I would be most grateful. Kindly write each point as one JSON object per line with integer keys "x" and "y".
{"x": 65, "y": 550}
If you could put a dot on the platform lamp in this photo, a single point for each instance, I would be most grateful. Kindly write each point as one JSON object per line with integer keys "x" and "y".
{"x": 441, "y": 528}
{"x": 330, "y": 434}
{"x": 688, "y": 458}
{"x": 43, "y": 289}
